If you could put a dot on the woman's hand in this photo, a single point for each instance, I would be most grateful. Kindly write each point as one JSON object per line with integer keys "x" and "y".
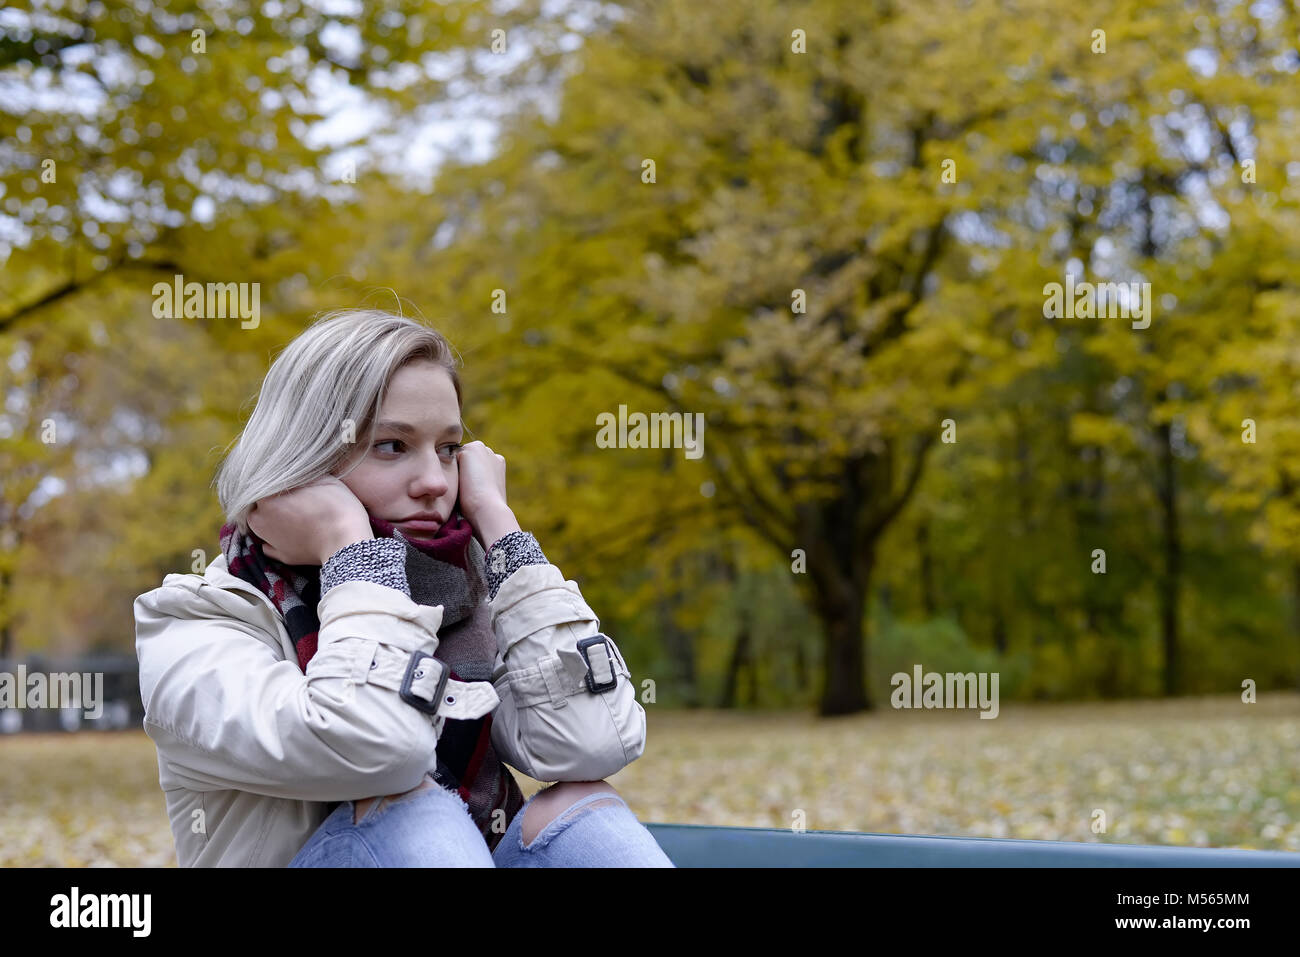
{"x": 483, "y": 493}
{"x": 308, "y": 524}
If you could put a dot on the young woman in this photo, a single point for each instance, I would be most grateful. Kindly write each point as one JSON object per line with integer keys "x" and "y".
{"x": 346, "y": 682}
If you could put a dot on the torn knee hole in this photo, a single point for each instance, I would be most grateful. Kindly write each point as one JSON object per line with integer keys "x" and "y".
{"x": 570, "y": 813}
{"x": 379, "y": 804}
{"x": 604, "y": 801}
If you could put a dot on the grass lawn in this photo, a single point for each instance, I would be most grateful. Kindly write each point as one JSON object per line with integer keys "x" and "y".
{"x": 1193, "y": 771}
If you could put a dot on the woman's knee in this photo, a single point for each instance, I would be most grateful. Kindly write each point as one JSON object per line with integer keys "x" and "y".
{"x": 361, "y": 808}
{"x": 425, "y": 827}
{"x": 548, "y": 803}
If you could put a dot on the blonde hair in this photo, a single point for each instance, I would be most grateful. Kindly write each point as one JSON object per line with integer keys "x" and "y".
{"x": 333, "y": 373}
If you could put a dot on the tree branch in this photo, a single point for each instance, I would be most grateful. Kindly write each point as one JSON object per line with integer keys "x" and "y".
{"x": 890, "y": 511}
{"x": 72, "y": 286}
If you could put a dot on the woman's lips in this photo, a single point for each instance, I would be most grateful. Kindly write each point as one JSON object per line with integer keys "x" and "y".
{"x": 420, "y": 525}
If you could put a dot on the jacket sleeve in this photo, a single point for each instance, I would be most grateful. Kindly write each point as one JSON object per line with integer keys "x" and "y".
{"x": 226, "y": 711}
{"x": 550, "y": 725}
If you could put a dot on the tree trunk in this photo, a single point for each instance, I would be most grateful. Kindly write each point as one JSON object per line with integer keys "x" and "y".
{"x": 740, "y": 658}
{"x": 927, "y": 568}
{"x": 839, "y": 597}
{"x": 999, "y": 627}
{"x": 751, "y": 667}
{"x": 6, "y": 623}
{"x": 1171, "y": 580}
{"x": 742, "y": 655}
{"x": 844, "y": 688}
{"x": 800, "y": 666}
{"x": 1295, "y": 594}
{"x": 842, "y": 537}
{"x": 680, "y": 646}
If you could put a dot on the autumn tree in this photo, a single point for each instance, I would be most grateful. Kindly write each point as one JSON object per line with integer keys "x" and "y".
{"x": 147, "y": 140}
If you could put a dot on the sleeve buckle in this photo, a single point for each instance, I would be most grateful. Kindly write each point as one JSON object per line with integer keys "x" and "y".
{"x": 602, "y": 667}
{"x": 419, "y": 678}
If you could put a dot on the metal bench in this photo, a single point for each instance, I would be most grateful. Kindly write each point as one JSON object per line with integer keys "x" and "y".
{"x": 694, "y": 845}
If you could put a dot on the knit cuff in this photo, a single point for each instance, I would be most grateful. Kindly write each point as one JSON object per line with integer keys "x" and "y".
{"x": 379, "y": 560}
{"x": 509, "y": 554}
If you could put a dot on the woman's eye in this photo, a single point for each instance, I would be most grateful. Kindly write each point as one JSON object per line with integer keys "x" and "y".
{"x": 447, "y": 450}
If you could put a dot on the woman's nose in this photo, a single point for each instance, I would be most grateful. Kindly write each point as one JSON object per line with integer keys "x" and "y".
{"x": 432, "y": 480}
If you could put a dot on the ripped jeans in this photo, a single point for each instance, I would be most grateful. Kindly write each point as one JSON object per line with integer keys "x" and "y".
{"x": 431, "y": 827}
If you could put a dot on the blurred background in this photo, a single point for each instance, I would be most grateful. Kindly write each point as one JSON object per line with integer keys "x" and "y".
{"x": 829, "y": 229}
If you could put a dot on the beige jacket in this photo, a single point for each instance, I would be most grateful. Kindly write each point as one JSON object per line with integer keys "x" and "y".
{"x": 250, "y": 748}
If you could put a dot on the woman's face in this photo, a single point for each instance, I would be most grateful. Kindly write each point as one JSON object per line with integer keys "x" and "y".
{"x": 411, "y": 466}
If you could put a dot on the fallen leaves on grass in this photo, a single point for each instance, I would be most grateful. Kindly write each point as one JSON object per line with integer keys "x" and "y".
{"x": 1205, "y": 772}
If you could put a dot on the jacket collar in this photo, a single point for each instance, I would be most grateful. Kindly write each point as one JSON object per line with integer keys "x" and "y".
{"x": 218, "y": 575}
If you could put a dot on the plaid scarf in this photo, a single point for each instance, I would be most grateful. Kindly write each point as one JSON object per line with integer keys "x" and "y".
{"x": 447, "y": 570}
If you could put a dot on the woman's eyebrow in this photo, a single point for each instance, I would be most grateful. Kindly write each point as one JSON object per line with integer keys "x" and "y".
{"x": 404, "y": 428}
